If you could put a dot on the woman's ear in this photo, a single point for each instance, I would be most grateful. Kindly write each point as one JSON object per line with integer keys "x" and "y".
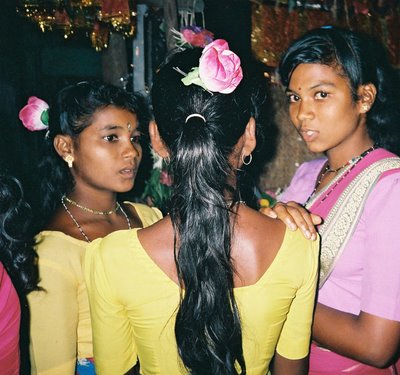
{"x": 249, "y": 138}
{"x": 63, "y": 145}
{"x": 367, "y": 95}
{"x": 157, "y": 142}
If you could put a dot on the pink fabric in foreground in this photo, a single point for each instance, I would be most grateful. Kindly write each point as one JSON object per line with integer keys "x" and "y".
{"x": 10, "y": 315}
{"x": 366, "y": 277}
{"x": 328, "y": 363}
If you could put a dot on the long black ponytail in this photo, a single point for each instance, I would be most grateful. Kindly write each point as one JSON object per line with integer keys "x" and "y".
{"x": 208, "y": 330}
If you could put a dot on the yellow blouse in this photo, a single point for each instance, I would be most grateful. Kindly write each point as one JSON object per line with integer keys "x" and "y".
{"x": 133, "y": 305}
{"x": 61, "y": 329}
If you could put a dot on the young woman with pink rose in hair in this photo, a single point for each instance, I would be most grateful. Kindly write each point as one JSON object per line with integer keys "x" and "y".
{"x": 93, "y": 153}
{"x": 214, "y": 287}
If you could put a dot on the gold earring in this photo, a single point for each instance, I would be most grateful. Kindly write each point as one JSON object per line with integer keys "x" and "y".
{"x": 365, "y": 107}
{"x": 69, "y": 159}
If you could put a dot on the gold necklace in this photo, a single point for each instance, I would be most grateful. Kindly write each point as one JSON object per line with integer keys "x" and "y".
{"x": 80, "y": 228}
{"x": 87, "y": 209}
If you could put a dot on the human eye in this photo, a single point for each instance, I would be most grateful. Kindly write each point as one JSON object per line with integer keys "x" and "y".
{"x": 292, "y": 98}
{"x": 321, "y": 95}
{"x": 111, "y": 138}
{"x": 136, "y": 138}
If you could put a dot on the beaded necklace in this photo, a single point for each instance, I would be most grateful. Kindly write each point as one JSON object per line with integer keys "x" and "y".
{"x": 352, "y": 163}
{"x": 230, "y": 203}
{"x": 77, "y": 224}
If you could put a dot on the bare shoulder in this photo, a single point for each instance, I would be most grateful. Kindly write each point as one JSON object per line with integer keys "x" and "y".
{"x": 260, "y": 227}
{"x": 159, "y": 235}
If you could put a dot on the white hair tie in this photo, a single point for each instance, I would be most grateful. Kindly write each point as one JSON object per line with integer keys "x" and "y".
{"x": 195, "y": 115}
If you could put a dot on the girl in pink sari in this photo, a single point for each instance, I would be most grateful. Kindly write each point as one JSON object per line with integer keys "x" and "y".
{"x": 18, "y": 273}
{"x": 344, "y": 101}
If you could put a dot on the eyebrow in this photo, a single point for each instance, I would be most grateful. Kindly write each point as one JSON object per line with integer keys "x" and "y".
{"x": 115, "y": 126}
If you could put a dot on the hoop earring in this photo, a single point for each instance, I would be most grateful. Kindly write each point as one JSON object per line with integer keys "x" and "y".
{"x": 69, "y": 159}
{"x": 248, "y": 162}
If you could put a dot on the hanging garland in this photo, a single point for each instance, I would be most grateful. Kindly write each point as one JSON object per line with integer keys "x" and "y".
{"x": 97, "y": 17}
{"x": 275, "y": 25}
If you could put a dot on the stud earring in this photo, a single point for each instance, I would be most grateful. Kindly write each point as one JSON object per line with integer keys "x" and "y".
{"x": 365, "y": 107}
{"x": 69, "y": 159}
{"x": 247, "y": 162}
{"x": 129, "y": 126}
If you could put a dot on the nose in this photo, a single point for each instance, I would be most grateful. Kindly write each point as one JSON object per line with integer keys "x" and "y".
{"x": 132, "y": 151}
{"x": 304, "y": 110}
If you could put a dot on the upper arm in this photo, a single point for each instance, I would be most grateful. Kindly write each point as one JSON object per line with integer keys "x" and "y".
{"x": 54, "y": 317}
{"x": 380, "y": 295}
{"x": 113, "y": 336}
{"x": 294, "y": 340}
{"x": 385, "y": 336}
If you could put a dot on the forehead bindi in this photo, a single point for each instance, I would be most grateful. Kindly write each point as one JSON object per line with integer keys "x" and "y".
{"x": 311, "y": 76}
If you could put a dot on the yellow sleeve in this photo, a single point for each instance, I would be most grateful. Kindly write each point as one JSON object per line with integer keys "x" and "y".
{"x": 148, "y": 215}
{"x": 54, "y": 311}
{"x": 113, "y": 340}
{"x": 294, "y": 341}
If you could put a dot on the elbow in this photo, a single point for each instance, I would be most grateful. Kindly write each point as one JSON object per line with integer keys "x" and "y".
{"x": 379, "y": 358}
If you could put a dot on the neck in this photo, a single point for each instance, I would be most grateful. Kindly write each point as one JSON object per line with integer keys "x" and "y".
{"x": 339, "y": 157}
{"x": 99, "y": 201}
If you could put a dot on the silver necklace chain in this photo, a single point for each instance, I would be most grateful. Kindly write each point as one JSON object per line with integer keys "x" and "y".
{"x": 80, "y": 228}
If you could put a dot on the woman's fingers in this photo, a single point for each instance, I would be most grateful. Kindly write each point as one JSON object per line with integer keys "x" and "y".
{"x": 294, "y": 216}
{"x": 303, "y": 220}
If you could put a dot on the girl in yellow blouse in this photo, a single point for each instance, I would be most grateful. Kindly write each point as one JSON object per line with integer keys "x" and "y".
{"x": 94, "y": 153}
{"x": 214, "y": 287}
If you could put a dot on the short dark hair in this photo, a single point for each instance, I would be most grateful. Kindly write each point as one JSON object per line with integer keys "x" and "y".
{"x": 362, "y": 60}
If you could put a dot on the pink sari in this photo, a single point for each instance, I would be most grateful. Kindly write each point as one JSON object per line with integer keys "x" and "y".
{"x": 9, "y": 325}
{"x": 331, "y": 204}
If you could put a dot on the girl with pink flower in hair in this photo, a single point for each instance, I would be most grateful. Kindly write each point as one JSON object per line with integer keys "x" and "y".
{"x": 214, "y": 287}
{"x": 94, "y": 151}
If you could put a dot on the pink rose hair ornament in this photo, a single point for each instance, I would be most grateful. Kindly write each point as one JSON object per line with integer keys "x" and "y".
{"x": 192, "y": 36}
{"x": 219, "y": 69}
{"x": 35, "y": 115}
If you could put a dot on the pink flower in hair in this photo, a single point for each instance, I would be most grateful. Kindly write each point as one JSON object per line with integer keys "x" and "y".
{"x": 196, "y": 36}
{"x": 35, "y": 115}
{"x": 219, "y": 68}
{"x": 192, "y": 36}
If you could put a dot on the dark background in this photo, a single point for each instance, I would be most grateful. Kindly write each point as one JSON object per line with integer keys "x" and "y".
{"x": 39, "y": 64}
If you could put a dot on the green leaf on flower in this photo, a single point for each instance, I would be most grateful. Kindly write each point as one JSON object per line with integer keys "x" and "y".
{"x": 45, "y": 117}
{"x": 193, "y": 78}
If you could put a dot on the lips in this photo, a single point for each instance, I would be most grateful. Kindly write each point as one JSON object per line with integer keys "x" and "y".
{"x": 309, "y": 135}
{"x": 128, "y": 172}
